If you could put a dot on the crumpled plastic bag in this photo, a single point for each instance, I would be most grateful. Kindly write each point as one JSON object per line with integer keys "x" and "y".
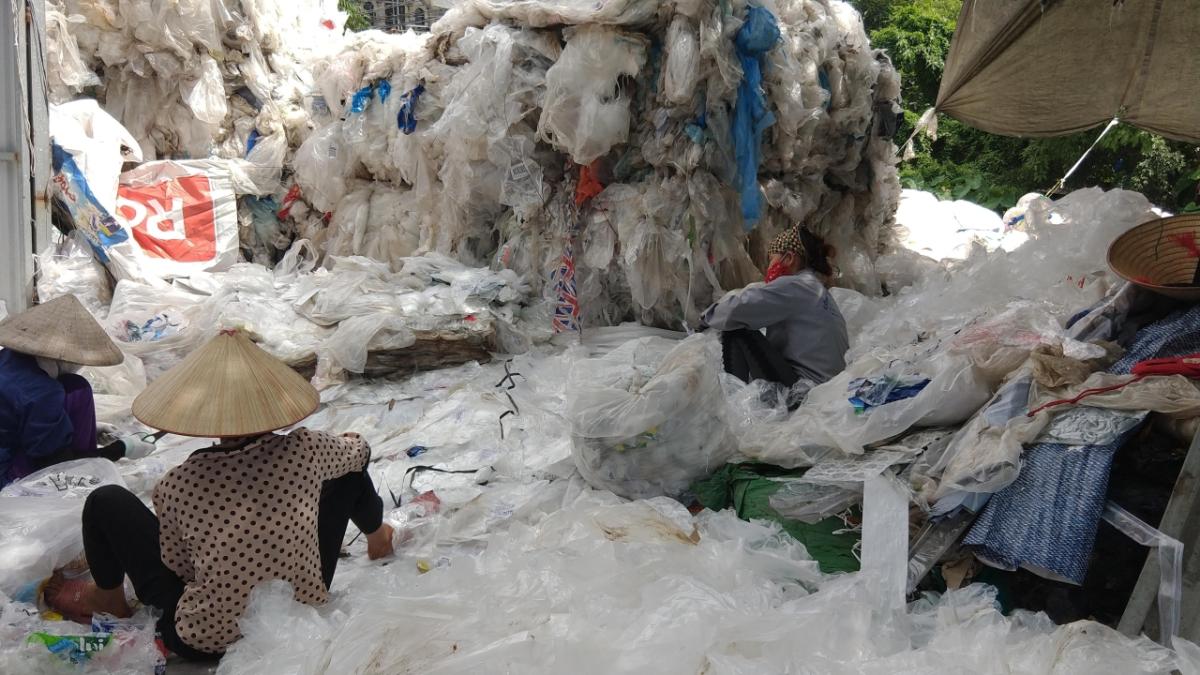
{"x": 320, "y": 164}
{"x": 682, "y": 70}
{"x": 206, "y": 95}
{"x": 646, "y": 425}
{"x": 955, "y": 391}
{"x": 350, "y": 344}
{"x": 39, "y": 520}
{"x": 585, "y": 113}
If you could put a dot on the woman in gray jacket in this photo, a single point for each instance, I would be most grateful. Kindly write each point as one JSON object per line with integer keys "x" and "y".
{"x": 805, "y": 334}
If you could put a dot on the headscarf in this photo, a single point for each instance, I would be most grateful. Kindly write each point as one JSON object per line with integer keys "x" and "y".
{"x": 800, "y": 241}
{"x": 56, "y": 367}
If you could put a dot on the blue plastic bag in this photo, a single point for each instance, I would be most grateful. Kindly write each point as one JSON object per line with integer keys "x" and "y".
{"x": 358, "y": 102}
{"x": 751, "y": 117}
{"x": 406, "y": 119}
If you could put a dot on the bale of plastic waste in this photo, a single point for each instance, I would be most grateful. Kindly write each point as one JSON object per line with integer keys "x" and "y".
{"x": 495, "y": 131}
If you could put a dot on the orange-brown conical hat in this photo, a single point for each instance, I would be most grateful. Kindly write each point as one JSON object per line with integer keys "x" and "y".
{"x": 227, "y": 388}
{"x": 1161, "y": 255}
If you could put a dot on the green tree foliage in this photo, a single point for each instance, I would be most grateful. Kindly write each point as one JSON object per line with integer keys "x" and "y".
{"x": 356, "y": 18}
{"x": 965, "y": 163}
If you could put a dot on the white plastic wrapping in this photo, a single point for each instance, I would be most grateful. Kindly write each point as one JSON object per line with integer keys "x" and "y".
{"x": 585, "y": 112}
{"x": 1170, "y": 566}
{"x": 885, "y": 538}
{"x": 39, "y": 520}
{"x": 682, "y": 69}
{"x": 648, "y": 421}
{"x": 206, "y": 95}
{"x": 714, "y": 593}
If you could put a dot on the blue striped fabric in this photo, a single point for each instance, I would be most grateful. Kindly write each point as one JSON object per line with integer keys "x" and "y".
{"x": 1176, "y": 335}
{"x": 1046, "y": 521}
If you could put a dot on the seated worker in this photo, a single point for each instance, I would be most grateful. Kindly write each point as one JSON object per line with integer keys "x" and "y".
{"x": 254, "y": 507}
{"x": 805, "y": 332}
{"x": 47, "y": 413}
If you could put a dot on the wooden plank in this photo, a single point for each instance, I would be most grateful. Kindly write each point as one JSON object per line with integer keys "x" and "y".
{"x": 1181, "y": 520}
{"x": 433, "y": 349}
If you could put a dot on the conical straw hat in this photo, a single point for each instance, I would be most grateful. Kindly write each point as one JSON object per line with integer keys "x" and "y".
{"x": 60, "y": 329}
{"x": 228, "y": 387}
{"x": 1161, "y": 255}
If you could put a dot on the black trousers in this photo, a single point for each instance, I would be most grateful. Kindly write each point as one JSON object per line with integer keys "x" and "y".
{"x": 748, "y": 356}
{"x": 120, "y": 537}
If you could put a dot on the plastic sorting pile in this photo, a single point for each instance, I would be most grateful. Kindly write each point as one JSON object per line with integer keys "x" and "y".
{"x": 191, "y": 79}
{"x": 585, "y": 582}
{"x": 689, "y": 126}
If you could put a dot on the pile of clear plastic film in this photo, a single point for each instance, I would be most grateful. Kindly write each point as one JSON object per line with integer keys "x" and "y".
{"x": 693, "y": 131}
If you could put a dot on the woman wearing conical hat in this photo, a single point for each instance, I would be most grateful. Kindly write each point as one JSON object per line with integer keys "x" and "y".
{"x": 254, "y": 507}
{"x": 47, "y": 412}
{"x": 805, "y": 336}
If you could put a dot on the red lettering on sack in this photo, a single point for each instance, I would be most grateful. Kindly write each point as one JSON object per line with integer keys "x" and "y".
{"x": 172, "y": 219}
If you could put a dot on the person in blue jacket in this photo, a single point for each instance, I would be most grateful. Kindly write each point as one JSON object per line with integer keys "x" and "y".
{"x": 47, "y": 412}
{"x": 789, "y": 328}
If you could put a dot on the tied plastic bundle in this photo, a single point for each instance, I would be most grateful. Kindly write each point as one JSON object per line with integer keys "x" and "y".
{"x": 647, "y": 418}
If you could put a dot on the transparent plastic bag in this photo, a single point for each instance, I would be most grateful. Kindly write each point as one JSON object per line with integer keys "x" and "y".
{"x": 682, "y": 70}
{"x": 39, "y": 519}
{"x": 159, "y": 325}
{"x": 645, "y": 427}
{"x": 356, "y": 336}
{"x": 71, "y": 269}
{"x": 321, "y": 164}
{"x": 955, "y": 392}
{"x": 585, "y": 113}
{"x": 206, "y": 96}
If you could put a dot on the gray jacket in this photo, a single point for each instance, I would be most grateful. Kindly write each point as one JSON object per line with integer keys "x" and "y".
{"x": 802, "y": 320}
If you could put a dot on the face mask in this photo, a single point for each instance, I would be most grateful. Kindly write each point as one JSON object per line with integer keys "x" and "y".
{"x": 774, "y": 271}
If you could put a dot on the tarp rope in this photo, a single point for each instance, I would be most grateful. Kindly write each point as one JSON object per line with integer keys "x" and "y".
{"x": 1063, "y": 181}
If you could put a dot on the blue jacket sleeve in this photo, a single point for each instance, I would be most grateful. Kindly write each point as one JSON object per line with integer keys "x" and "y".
{"x": 46, "y": 428}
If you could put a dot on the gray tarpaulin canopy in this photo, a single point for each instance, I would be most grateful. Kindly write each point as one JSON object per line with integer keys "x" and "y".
{"x": 1054, "y": 67}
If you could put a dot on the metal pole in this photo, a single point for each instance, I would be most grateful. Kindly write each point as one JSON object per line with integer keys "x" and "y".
{"x": 17, "y": 238}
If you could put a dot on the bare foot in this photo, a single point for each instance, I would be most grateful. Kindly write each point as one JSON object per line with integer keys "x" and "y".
{"x": 79, "y": 599}
{"x": 379, "y": 542}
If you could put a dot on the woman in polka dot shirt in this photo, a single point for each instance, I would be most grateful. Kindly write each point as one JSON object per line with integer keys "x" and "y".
{"x": 252, "y": 508}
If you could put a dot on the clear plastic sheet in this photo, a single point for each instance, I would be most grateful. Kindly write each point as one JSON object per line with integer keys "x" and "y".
{"x": 1170, "y": 566}
{"x": 39, "y": 520}
{"x": 580, "y": 114}
{"x": 581, "y": 571}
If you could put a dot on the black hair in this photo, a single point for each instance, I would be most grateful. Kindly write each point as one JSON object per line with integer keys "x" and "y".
{"x": 817, "y": 252}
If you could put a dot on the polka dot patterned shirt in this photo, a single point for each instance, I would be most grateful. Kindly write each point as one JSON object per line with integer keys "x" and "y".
{"x": 229, "y": 521}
